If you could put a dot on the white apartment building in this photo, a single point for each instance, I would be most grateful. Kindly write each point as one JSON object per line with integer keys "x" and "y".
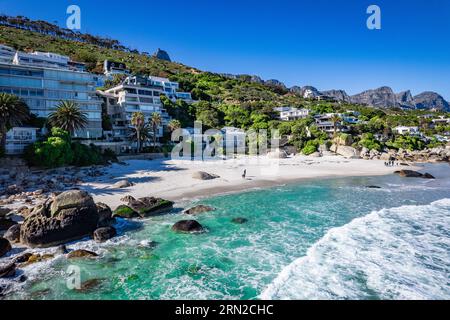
{"x": 290, "y": 114}
{"x": 135, "y": 94}
{"x": 324, "y": 123}
{"x": 42, "y": 80}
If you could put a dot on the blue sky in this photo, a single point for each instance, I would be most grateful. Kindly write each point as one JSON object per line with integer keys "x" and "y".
{"x": 300, "y": 42}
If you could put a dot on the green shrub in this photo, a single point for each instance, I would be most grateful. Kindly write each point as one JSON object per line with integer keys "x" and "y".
{"x": 310, "y": 147}
{"x": 86, "y": 155}
{"x": 368, "y": 141}
{"x": 54, "y": 152}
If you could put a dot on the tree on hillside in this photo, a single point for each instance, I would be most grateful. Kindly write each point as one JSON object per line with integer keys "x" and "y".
{"x": 68, "y": 117}
{"x": 13, "y": 112}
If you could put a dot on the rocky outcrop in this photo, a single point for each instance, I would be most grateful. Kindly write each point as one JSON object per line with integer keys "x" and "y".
{"x": 162, "y": 55}
{"x": 338, "y": 95}
{"x": 104, "y": 234}
{"x": 345, "y": 151}
{"x": 431, "y": 100}
{"x": 5, "y": 247}
{"x": 382, "y": 97}
{"x": 201, "y": 175}
{"x": 307, "y": 92}
{"x": 70, "y": 216}
{"x": 280, "y": 154}
{"x": 198, "y": 209}
{"x": 405, "y": 99}
{"x": 188, "y": 226}
{"x": 124, "y": 211}
{"x": 6, "y": 223}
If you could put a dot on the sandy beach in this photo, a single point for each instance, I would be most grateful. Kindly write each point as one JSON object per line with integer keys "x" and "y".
{"x": 172, "y": 179}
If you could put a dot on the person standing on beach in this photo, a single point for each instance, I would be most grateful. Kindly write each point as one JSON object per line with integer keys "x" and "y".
{"x": 244, "y": 174}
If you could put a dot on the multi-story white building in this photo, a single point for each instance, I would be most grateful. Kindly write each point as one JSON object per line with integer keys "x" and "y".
{"x": 42, "y": 80}
{"x": 135, "y": 94}
{"x": 289, "y": 114}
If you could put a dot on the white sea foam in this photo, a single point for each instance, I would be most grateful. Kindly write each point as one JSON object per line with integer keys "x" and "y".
{"x": 398, "y": 253}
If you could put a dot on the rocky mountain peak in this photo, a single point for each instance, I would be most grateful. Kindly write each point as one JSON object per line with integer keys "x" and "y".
{"x": 162, "y": 55}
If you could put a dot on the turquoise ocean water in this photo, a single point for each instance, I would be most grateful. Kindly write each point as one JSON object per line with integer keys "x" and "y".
{"x": 324, "y": 239}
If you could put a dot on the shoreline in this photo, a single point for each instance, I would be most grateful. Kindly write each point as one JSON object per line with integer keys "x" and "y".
{"x": 172, "y": 179}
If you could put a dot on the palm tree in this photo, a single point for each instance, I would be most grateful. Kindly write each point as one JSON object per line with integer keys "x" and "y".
{"x": 68, "y": 116}
{"x": 335, "y": 119}
{"x": 174, "y": 125}
{"x": 141, "y": 134}
{"x": 13, "y": 111}
{"x": 155, "y": 122}
{"x": 138, "y": 121}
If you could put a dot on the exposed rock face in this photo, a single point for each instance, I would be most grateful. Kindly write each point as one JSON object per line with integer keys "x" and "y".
{"x": 405, "y": 99}
{"x": 5, "y": 246}
{"x": 103, "y": 234}
{"x": 188, "y": 226}
{"x": 13, "y": 233}
{"x": 345, "y": 151}
{"x": 382, "y": 97}
{"x": 162, "y": 55}
{"x": 307, "y": 92}
{"x": 276, "y": 83}
{"x": 198, "y": 209}
{"x": 201, "y": 175}
{"x": 338, "y": 95}
{"x": 431, "y": 100}
{"x": 4, "y": 212}
{"x": 70, "y": 216}
{"x": 5, "y": 224}
{"x": 281, "y": 154}
{"x": 81, "y": 254}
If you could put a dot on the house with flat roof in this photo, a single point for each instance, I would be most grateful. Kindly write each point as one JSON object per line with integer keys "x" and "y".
{"x": 289, "y": 114}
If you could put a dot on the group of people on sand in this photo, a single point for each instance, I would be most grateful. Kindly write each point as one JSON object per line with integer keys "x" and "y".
{"x": 391, "y": 163}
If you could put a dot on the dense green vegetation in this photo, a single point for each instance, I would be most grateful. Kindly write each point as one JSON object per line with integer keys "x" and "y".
{"x": 58, "y": 150}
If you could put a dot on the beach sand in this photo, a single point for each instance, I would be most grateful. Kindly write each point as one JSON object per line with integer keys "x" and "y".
{"x": 172, "y": 179}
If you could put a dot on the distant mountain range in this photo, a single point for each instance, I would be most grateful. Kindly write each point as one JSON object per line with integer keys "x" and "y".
{"x": 383, "y": 97}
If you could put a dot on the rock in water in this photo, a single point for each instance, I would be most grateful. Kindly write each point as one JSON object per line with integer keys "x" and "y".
{"x": 122, "y": 184}
{"x": 70, "y": 216}
{"x": 103, "y": 234}
{"x": 201, "y": 175}
{"x": 198, "y": 209}
{"x": 239, "y": 220}
{"x": 150, "y": 206}
{"x": 81, "y": 254}
{"x": 62, "y": 249}
{"x": 5, "y": 246}
{"x": 413, "y": 174}
{"x": 188, "y": 226}
{"x": 105, "y": 218}
{"x": 124, "y": 211}
{"x": 13, "y": 233}
{"x": 7, "y": 270}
